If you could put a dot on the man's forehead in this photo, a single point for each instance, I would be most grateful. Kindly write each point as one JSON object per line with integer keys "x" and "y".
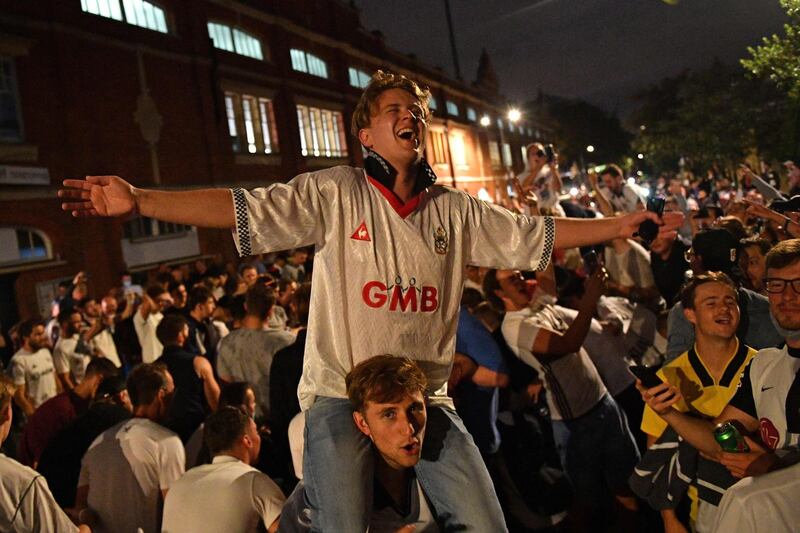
{"x": 782, "y": 272}
{"x": 507, "y": 274}
{"x": 401, "y": 401}
{"x": 713, "y": 289}
{"x": 395, "y": 96}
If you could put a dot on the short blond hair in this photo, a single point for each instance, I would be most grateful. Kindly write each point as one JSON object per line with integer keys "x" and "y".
{"x": 7, "y": 390}
{"x": 383, "y": 81}
{"x": 383, "y": 379}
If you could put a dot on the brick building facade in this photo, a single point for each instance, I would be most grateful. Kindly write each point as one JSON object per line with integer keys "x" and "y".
{"x": 195, "y": 93}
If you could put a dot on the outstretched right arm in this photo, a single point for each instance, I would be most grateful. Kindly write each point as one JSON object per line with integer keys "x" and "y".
{"x": 113, "y": 196}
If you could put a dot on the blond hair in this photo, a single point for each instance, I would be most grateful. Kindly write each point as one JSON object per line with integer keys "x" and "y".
{"x": 383, "y": 81}
{"x": 7, "y": 390}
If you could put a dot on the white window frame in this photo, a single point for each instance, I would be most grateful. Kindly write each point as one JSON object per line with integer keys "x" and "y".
{"x": 452, "y": 108}
{"x": 322, "y": 132}
{"x": 358, "y": 78}
{"x": 235, "y": 40}
{"x": 18, "y": 258}
{"x": 251, "y": 123}
{"x": 140, "y": 13}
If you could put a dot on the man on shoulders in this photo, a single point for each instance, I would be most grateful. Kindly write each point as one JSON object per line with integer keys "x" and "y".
{"x": 128, "y": 469}
{"x": 26, "y": 503}
{"x": 228, "y": 495}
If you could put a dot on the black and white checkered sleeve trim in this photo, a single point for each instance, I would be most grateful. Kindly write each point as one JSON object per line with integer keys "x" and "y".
{"x": 549, "y": 242}
{"x": 242, "y": 222}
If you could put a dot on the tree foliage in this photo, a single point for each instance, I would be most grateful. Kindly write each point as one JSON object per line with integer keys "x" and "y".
{"x": 715, "y": 116}
{"x": 778, "y": 58}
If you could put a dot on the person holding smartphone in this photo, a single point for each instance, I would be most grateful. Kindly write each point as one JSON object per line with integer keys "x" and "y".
{"x": 707, "y": 375}
{"x": 542, "y": 177}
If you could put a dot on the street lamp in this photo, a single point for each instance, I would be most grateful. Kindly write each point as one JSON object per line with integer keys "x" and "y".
{"x": 485, "y": 121}
{"x": 590, "y": 148}
{"x": 514, "y": 115}
{"x": 640, "y": 156}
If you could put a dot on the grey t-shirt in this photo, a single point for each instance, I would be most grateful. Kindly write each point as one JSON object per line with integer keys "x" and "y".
{"x": 246, "y": 355}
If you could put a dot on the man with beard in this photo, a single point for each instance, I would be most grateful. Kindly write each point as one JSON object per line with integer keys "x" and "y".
{"x": 32, "y": 368}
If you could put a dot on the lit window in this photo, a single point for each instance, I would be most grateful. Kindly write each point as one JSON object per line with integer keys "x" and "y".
{"x": 472, "y": 115}
{"x": 507, "y": 155}
{"x": 303, "y": 61}
{"x": 510, "y": 126}
{"x": 358, "y": 78}
{"x": 321, "y": 132}
{"x": 438, "y": 155}
{"x": 432, "y": 105}
{"x": 524, "y": 151}
{"x": 234, "y": 40}
{"x": 457, "y": 150}
{"x": 452, "y": 108}
{"x": 500, "y": 123}
{"x": 22, "y": 245}
{"x": 251, "y": 124}
{"x": 10, "y": 120}
{"x": 494, "y": 154}
{"x": 135, "y": 12}
{"x": 144, "y": 227}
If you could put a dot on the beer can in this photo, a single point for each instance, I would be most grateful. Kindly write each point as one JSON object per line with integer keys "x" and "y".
{"x": 729, "y": 438}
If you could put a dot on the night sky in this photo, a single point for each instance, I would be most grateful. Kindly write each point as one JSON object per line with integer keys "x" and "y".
{"x": 598, "y": 50}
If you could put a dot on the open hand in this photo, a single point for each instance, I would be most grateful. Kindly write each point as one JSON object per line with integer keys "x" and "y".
{"x": 107, "y": 196}
{"x": 660, "y": 398}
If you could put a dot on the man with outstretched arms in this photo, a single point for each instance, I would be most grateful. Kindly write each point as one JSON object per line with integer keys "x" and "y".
{"x": 391, "y": 247}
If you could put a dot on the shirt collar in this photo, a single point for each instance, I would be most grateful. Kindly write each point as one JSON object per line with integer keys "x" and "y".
{"x": 224, "y": 459}
{"x": 384, "y": 173}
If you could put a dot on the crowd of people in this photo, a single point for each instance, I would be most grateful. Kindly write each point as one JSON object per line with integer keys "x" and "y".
{"x": 453, "y": 366}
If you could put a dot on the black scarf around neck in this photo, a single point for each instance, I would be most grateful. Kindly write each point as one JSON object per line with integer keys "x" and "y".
{"x": 381, "y": 170}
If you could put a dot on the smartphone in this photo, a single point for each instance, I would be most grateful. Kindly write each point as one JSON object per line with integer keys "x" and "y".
{"x": 648, "y": 230}
{"x": 549, "y": 152}
{"x": 647, "y": 375}
{"x": 591, "y": 261}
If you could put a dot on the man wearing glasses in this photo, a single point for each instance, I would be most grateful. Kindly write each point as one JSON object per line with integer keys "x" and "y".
{"x": 767, "y": 404}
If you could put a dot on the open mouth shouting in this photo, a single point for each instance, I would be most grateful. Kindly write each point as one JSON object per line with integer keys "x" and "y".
{"x": 409, "y": 136}
{"x": 411, "y": 448}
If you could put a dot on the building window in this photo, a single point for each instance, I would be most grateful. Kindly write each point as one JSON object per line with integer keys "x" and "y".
{"x": 10, "y": 120}
{"x": 500, "y": 124}
{"x": 494, "y": 154}
{"x": 524, "y": 151}
{"x": 23, "y": 245}
{"x": 135, "y": 12}
{"x": 438, "y": 155}
{"x": 303, "y": 61}
{"x": 144, "y": 227}
{"x": 234, "y": 40}
{"x": 321, "y": 132}
{"x": 472, "y": 115}
{"x": 251, "y": 123}
{"x": 457, "y": 150}
{"x": 432, "y": 105}
{"x": 507, "y": 155}
{"x": 452, "y": 108}
{"x": 358, "y": 78}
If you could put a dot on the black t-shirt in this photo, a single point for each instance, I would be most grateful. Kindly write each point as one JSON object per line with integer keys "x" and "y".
{"x": 188, "y": 408}
{"x": 669, "y": 274}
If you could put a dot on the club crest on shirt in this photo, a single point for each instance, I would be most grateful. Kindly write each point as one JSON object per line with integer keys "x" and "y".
{"x": 361, "y": 233}
{"x": 440, "y": 240}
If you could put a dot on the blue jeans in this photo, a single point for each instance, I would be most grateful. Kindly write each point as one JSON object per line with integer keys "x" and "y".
{"x": 338, "y": 472}
{"x": 597, "y": 451}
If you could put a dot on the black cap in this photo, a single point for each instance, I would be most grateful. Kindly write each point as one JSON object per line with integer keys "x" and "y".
{"x": 717, "y": 247}
{"x": 110, "y": 386}
{"x": 782, "y": 206}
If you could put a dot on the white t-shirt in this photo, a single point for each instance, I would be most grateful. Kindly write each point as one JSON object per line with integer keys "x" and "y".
{"x": 146, "y": 331}
{"x": 542, "y": 184}
{"x": 572, "y": 382}
{"x": 388, "y": 276}
{"x": 226, "y": 496}
{"x": 26, "y": 503}
{"x": 103, "y": 342}
{"x": 246, "y": 355}
{"x": 631, "y": 268}
{"x": 627, "y": 201}
{"x": 67, "y": 360}
{"x": 35, "y": 371}
{"x": 126, "y": 468}
{"x": 762, "y": 503}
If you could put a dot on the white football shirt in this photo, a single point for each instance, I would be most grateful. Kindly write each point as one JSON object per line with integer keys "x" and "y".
{"x": 35, "y": 371}
{"x": 126, "y": 468}
{"x": 226, "y": 496}
{"x": 388, "y": 276}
